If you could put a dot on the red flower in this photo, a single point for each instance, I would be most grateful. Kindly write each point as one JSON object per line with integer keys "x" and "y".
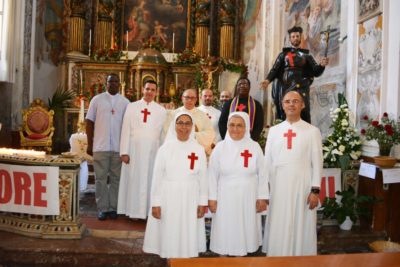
{"x": 363, "y": 131}
{"x": 389, "y": 129}
{"x": 375, "y": 123}
{"x": 385, "y": 115}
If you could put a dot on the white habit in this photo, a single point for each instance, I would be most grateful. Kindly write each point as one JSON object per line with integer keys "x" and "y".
{"x": 236, "y": 180}
{"x": 140, "y": 139}
{"x": 294, "y": 163}
{"x": 179, "y": 187}
{"x": 204, "y": 132}
{"x": 213, "y": 114}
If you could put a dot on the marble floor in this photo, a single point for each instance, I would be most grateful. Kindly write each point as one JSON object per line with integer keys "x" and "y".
{"x": 119, "y": 242}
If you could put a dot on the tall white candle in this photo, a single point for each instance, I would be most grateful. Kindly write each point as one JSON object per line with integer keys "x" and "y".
{"x": 82, "y": 111}
{"x": 90, "y": 38}
{"x": 81, "y": 77}
{"x": 127, "y": 40}
{"x": 208, "y": 44}
{"x": 173, "y": 43}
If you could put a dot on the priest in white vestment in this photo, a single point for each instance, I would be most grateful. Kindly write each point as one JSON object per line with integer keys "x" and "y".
{"x": 212, "y": 113}
{"x": 204, "y": 132}
{"x": 179, "y": 193}
{"x": 140, "y": 140}
{"x": 293, "y": 156}
{"x": 238, "y": 190}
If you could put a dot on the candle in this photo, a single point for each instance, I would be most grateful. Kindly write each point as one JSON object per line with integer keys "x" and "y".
{"x": 208, "y": 44}
{"x": 81, "y": 77}
{"x": 173, "y": 43}
{"x": 176, "y": 81}
{"x": 82, "y": 111}
{"x": 127, "y": 40}
{"x": 90, "y": 38}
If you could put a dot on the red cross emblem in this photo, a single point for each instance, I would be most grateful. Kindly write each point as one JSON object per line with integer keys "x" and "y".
{"x": 241, "y": 107}
{"x": 290, "y": 134}
{"x": 192, "y": 158}
{"x": 145, "y": 113}
{"x": 291, "y": 56}
{"x": 246, "y": 155}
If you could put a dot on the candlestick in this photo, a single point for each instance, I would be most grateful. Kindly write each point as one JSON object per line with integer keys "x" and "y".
{"x": 176, "y": 81}
{"x": 173, "y": 43}
{"x": 127, "y": 41}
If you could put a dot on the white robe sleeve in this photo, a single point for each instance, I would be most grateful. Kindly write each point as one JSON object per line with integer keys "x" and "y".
{"x": 213, "y": 173}
{"x": 205, "y": 136}
{"x": 263, "y": 189}
{"x": 268, "y": 162}
{"x": 203, "y": 181}
{"x": 316, "y": 158}
{"x": 126, "y": 132}
{"x": 158, "y": 174}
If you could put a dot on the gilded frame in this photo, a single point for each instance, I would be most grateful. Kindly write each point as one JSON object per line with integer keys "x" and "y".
{"x": 368, "y": 9}
{"x": 140, "y": 19}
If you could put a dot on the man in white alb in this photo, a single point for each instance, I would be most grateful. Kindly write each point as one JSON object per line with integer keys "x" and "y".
{"x": 207, "y": 98}
{"x": 140, "y": 140}
{"x": 294, "y": 166}
{"x": 204, "y": 132}
{"x": 103, "y": 130}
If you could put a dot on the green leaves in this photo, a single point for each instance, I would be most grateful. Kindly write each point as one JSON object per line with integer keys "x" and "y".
{"x": 60, "y": 99}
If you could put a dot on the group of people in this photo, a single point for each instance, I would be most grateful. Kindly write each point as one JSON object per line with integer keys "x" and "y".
{"x": 168, "y": 168}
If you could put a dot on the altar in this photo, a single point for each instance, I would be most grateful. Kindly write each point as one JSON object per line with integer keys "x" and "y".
{"x": 66, "y": 223}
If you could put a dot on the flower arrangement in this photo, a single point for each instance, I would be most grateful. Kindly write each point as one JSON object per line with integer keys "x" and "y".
{"x": 344, "y": 143}
{"x": 112, "y": 54}
{"x": 188, "y": 56}
{"x": 153, "y": 42}
{"x": 386, "y": 131}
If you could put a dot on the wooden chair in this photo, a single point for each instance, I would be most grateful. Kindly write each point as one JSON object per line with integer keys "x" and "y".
{"x": 37, "y": 127}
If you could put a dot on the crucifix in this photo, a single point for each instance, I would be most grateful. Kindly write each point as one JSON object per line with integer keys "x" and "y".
{"x": 145, "y": 113}
{"x": 327, "y": 34}
{"x": 246, "y": 155}
{"x": 192, "y": 158}
{"x": 290, "y": 134}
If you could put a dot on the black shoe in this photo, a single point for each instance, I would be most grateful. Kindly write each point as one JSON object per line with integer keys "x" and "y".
{"x": 101, "y": 216}
{"x": 112, "y": 215}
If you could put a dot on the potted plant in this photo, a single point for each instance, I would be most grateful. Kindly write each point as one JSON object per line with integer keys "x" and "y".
{"x": 348, "y": 209}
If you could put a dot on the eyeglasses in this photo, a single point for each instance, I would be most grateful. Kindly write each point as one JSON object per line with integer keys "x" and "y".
{"x": 238, "y": 126}
{"x": 182, "y": 123}
{"x": 291, "y": 101}
{"x": 189, "y": 97}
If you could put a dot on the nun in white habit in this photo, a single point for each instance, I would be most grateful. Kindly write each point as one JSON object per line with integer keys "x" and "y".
{"x": 175, "y": 227}
{"x": 238, "y": 190}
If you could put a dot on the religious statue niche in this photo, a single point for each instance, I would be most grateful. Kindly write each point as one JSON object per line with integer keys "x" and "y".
{"x": 167, "y": 20}
{"x": 149, "y": 64}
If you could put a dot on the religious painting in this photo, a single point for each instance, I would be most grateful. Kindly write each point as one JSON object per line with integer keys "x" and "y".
{"x": 315, "y": 17}
{"x": 369, "y": 69}
{"x": 323, "y": 98}
{"x": 368, "y": 9}
{"x": 166, "y": 20}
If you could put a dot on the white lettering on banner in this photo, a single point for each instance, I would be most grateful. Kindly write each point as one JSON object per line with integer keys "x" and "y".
{"x": 29, "y": 189}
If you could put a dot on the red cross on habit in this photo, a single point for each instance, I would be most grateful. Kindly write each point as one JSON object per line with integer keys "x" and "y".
{"x": 192, "y": 158}
{"x": 112, "y": 111}
{"x": 241, "y": 107}
{"x": 291, "y": 56}
{"x": 246, "y": 155}
{"x": 145, "y": 113}
{"x": 289, "y": 136}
